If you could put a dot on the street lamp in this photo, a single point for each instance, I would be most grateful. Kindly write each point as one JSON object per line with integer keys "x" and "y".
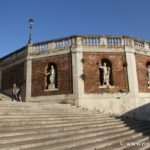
{"x": 30, "y": 27}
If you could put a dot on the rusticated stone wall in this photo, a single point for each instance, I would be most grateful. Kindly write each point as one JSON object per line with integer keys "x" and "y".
{"x": 64, "y": 81}
{"x": 92, "y": 73}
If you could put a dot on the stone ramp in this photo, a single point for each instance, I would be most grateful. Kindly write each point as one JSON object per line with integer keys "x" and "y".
{"x": 47, "y": 126}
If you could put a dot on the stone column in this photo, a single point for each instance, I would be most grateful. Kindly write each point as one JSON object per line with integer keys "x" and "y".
{"x": 132, "y": 72}
{"x": 77, "y": 69}
{"x": 28, "y": 74}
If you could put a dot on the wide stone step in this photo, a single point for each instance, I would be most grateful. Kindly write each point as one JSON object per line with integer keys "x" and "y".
{"x": 55, "y": 111}
{"x": 138, "y": 143}
{"x": 56, "y": 122}
{"x": 34, "y": 110}
{"x": 40, "y": 108}
{"x": 60, "y": 135}
{"x": 76, "y": 143}
{"x": 13, "y": 130}
{"x": 53, "y": 116}
{"x": 31, "y": 134}
{"x": 50, "y": 115}
{"x": 61, "y": 142}
{"x": 29, "y": 104}
{"x": 50, "y": 126}
{"x": 72, "y": 140}
{"x": 101, "y": 144}
{"x": 47, "y": 128}
{"x": 20, "y": 105}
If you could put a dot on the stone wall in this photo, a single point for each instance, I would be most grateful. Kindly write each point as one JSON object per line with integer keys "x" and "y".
{"x": 92, "y": 74}
{"x": 64, "y": 80}
{"x": 141, "y": 64}
{"x": 13, "y": 74}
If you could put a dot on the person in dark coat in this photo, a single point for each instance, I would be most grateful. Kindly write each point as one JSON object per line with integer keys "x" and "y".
{"x": 19, "y": 94}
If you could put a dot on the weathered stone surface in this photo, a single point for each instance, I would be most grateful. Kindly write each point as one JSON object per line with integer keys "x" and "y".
{"x": 141, "y": 61}
{"x": 13, "y": 74}
{"x": 44, "y": 126}
{"x": 92, "y": 74}
{"x": 63, "y": 75}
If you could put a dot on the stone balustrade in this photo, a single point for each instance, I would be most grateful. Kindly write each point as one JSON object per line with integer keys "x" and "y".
{"x": 51, "y": 45}
{"x": 114, "y": 40}
{"x": 139, "y": 44}
{"x": 9, "y": 58}
{"x": 41, "y": 47}
{"x": 63, "y": 43}
{"x": 13, "y": 56}
{"x": 92, "y": 41}
{"x": 87, "y": 40}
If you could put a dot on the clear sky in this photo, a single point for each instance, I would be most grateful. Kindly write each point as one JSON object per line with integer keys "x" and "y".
{"x": 60, "y": 18}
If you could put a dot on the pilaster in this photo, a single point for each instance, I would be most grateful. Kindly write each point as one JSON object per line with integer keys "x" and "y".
{"x": 28, "y": 74}
{"x": 77, "y": 65}
{"x": 132, "y": 72}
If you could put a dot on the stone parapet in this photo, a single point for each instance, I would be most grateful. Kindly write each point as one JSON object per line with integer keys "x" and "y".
{"x": 95, "y": 41}
{"x": 107, "y": 41}
{"x": 16, "y": 55}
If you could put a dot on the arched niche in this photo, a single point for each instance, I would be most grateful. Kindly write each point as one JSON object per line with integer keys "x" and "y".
{"x": 147, "y": 64}
{"x": 148, "y": 73}
{"x": 49, "y": 85}
{"x": 107, "y": 63}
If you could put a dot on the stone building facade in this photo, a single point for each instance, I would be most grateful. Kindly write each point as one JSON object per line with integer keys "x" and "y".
{"x": 106, "y": 73}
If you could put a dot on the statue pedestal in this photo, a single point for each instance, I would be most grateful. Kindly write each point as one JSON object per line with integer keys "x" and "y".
{"x": 106, "y": 86}
{"x": 51, "y": 87}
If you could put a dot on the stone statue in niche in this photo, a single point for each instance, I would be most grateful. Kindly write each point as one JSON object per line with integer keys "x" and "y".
{"x": 106, "y": 74}
{"x": 148, "y": 74}
{"x": 50, "y": 77}
{"x": 45, "y": 71}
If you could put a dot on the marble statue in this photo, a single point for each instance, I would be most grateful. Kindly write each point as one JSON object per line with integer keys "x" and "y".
{"x": 106, "y": 74}
{"x": 50, "y": 83}
{"x": 52, "y": 75}
{"x": 45, "y": 70}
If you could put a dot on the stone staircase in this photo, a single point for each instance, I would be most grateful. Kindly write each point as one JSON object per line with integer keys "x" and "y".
{"x": 4, "y": 97}
{"x": 46, "y": 126}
